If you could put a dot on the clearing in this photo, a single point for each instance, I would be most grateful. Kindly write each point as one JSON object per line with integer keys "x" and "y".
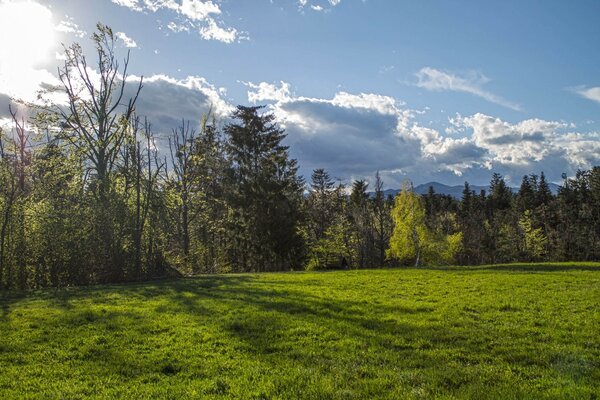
{"x": 513, "y": 331}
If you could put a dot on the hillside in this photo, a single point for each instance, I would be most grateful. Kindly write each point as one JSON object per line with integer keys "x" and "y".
{"x": 516, "y": 331}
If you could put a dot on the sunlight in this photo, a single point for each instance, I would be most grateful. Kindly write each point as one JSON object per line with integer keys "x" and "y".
{"x": 26, "y": 34}
{"x": 27, "y": 38}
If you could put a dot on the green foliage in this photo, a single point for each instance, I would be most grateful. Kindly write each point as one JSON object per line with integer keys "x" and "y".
{"x": 508, "y": 243}
{"x": 379, "y": 334}
{"x": 410, "y": 233}
{"x": 334, "y": 248}
{"x": 453, "y": 246}
{"x": 412, "y": 240}
{"x": 86, "y": 198}
{"x": 534, "y": 240}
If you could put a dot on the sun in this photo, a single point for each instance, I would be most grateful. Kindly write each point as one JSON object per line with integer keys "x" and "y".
{"x": 27, "y": 40}
{"x": 26, "y": 33}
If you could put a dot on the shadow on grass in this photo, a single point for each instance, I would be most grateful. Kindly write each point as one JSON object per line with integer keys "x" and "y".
{"x": 289, "y": 320}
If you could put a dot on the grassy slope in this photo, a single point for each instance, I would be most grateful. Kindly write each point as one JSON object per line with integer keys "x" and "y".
{"x": 485, "y": 333}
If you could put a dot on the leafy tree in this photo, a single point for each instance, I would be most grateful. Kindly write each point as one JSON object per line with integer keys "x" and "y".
{"x": 410, "y": 233}
{"x": 412, "y": 240}
{"x": 534, "y": 240}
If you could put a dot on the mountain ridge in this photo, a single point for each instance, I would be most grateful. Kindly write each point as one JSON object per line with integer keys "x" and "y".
{"x": 456, "y": 190}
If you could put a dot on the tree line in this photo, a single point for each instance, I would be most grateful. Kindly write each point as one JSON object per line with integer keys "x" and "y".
{"x": 87, "y": 196}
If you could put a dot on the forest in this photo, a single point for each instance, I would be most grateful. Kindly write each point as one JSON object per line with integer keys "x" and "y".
{"x": 87, "y": 197}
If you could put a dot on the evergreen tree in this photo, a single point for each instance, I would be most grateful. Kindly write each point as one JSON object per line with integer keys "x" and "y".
{"x": 265, "y": 193}
{"x": 382, "y": 221}
{"x": 362, "y": 224}
{"x": 321, "y": 202}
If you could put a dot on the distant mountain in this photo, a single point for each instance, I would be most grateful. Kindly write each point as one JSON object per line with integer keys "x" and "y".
{"x": 455, "y": 191}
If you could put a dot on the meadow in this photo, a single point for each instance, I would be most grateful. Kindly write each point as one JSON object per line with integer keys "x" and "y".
{"x": 521, "y": 331}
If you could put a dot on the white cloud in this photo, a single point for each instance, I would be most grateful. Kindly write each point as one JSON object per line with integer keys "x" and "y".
{"x": 178, "y": 27}
{"x": 434, "y": 79}
{"x": 198, "y": 10}
{"x": 196, "y": 14}
{"x": 319, "y": 6}
{"x": 212, "y": 31}
{"x": 127, "y": 41}
{"x": 166, "y": 101}
{"x": 381, "y": 104}
{"x": 592, "y": 93}
{"x": 268, "y": 92}
{"x": 68, "y": 25}
{"x": 163, "y": 96}
{"x": 131, "y": 4}
{"x": 353, "y": 135}
{"x": 515, "y": 144}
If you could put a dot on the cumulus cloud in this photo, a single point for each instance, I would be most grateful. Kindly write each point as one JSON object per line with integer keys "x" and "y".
{"x": 191, "y": 15}
{"x": 268, "y": 92}
{"x": 351, "y": 135}
{"x": 513, "y": 144}
{"x": 531, "y": 145}
{"x": 436, "y": 80}
{"x": 166, "y": 101}
{"x": 355, "y": 134}
{"x": 126, "y": 40}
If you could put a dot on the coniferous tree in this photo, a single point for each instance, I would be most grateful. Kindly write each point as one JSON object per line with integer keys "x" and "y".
{"x": 362, "y": 224}
{"x": 382, "y": 222}
{"x": 266, "y": 193}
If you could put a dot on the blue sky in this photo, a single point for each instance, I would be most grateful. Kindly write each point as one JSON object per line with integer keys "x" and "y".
{"x": 428, "y": 90}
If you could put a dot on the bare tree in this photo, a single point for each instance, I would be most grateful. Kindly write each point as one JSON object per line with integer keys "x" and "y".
{"x": 181, "y": 148}
{"x": 97, "y": 116}
{"x": 144, "y": 171}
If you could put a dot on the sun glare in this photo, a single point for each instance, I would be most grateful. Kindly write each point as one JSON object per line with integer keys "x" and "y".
{"x": 26, "y": 34}
{"x": 27, "y": 40}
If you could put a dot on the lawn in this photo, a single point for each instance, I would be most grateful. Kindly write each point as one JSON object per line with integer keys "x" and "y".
{"x": 506, "y": 332}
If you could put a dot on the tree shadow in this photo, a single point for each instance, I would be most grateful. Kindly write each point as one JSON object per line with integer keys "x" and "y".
{"x": 271, "y": 320}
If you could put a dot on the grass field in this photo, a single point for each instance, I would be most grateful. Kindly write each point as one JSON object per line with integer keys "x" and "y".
{"x": 506, "y": 332}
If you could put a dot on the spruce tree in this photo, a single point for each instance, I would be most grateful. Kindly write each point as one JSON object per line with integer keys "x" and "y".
{"x": 265, "y": 193}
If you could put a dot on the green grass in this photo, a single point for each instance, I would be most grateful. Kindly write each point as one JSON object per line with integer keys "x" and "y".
{"x": 506, "y": 332}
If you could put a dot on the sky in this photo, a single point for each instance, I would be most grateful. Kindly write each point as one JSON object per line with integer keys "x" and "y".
{"x": 447, "y": 91}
